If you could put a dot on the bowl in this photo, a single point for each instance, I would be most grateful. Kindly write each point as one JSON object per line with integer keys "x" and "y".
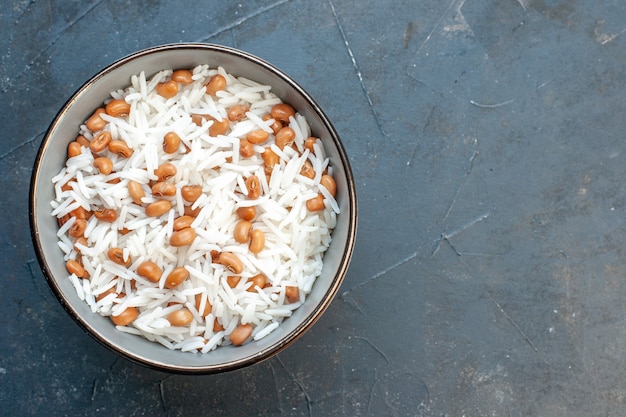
{"x": 44, "y": 227}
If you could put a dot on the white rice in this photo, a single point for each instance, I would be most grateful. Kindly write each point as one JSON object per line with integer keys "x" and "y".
{"x": 295, "y": 237}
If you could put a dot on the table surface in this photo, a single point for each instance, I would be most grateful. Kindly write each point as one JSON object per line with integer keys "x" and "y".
{"x": 487, "y": 143}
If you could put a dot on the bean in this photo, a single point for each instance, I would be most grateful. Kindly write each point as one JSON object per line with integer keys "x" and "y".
{"x": 100, "y": 142}
{"x": 136, "y": 192}
{"x": 242, "y": 231}
{"x": 183, "y": 237}
{"x": 285, "y": 137}
{"x": 276, "y": 125}
{"x": 246, "y": 149}
{"x": 167, "y": 89}
{"x": 329, "y": 183}
{"x": 105, "y": 215}
{"x": 123, "y": 231}
{"x": 231, "y": 262}
{"x": 237, "y": 112}
{"x": 117, "y": 108}
{"x": 104, "y": 294}
{"x": 73, "y": 149}
{"x": 165, "y": 171}
{"x": 316, "y": 203}
{"x": 283, "y": 112}
{"x": 309, "y": 143}
{"x": 82, "y": 140}
{"x": 120, "y": 148}
{"x": 307, "y": 170}
{"x": 257, "y": 136}
{"x": 215, "y": 84}
{"x": 192, "y": 212}
{"x": 182, "y": 317}
{"x": 103, "y": 164}
{"x": 73, "y": 267}
{"x": 269, "y": 159}
{"x": 233, "y": 280}
{"x": 183, "y": 76}
{"x": 207, "y": 305}
{"x": 81, "y": 213}
{"x": 82, "y": 240}
{"x": 117, "y": 256}
{"x": 217, "y": 326}
{"x": 176, "y": 277}
{"x": 258, "y": 280}
{"x": 257, "y": 241}
{"x": 246, "y": 213}
{"x": 158, "y": 208}
{"x": 182, "y": 222}
{"x": 163, "y": 188}
{"x": 240, "y": 334}
{"x": 191, "y": 193}
{"x": 292, "y": 293}
{"x": 78, "y": 228}
{"x": 219, "y": 127}
{"x": 95, "y": 122}
{"x": 171, "y": 142}
{"x": 254, "y": 187}
{"x": 126, "y": 317}
{"x": 150, "y": 271}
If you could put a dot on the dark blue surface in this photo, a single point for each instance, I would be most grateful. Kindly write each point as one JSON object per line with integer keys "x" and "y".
{"x": 487, "y": 142}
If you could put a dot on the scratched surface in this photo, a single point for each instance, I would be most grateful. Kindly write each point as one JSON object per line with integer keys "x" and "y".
{"x": 487, "y": 141}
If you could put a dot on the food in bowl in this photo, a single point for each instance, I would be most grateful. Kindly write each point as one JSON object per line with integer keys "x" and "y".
{"x": 194, "y": 209}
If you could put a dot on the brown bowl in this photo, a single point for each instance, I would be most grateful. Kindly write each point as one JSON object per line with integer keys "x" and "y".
{"x": 44, "y": 226}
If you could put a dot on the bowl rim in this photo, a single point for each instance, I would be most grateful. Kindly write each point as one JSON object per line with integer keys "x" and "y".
{"x": 308, "y": 320}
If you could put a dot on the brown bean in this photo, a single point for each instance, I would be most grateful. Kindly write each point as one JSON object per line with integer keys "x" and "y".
{"x": 231, "y": 262}
{"x": 192, "y": 212}
{"x": 329, "y": 183}
{"x": 215, "y": 84}
{"x": 74, "y": 267}
{"x": 285, "y": 137}
{"x": 240, "y": 334}
{"x": 171, "y": 142}
{"x": 182, "y": 317}
{"x": 73, "y": 149}
{"x": 241, "y": 232}
{"x": 100, "y": 141}
{"x": 219, "y": 127}
{"x": 182, "y": 222}
{"x": 183, "y": 76}
{"x": 191, "y": 193}
{"x": 105, "y": 215}
{"x": 117, "y": 256}
{"x": 309, "y": 143}
{"x": 104, "y": 294}
{"x": 307, "y": 170}
{"x": 163, "y": 188}
{"x": 246, "y": 149}
{"x": 126, "y": 317}
{"x": 316, "y": 203}
{"x": 136, "y": 192}
{"x": 150, "y": 271}
{"x": 258, "y": 280}
{"x": 233, "y": 280}
{"x": 237, "y": 112}
{"x": 207, "y": 305}
{"x": 276, "y": 125}
{"x": 257, "y": 136}
{"x": 78, "y": 228}
{"x": 292, "y": 293}
{"x": 254, "y": 187}
{"x": 103, "y": 164}
{"x": 246, "y": 213}
{"x": 95, "y": 122}
{"x": 283, "y": 112}
{"x": 120, "y": 148}
{"x": 257, "y": 241}
{"x": 81, "y": 213}
{"x": 158, "y": 208}
{"x": 183, "y": 237}
{"x": 176, "y": 277}
{"x": 117, "y": 108}
{"x": 83, "y": 141}
{"x": 82, "y": 240}
{"x": 269, "y": 159}
{"x": 165, "y": 171}
{"x": 167, "y": 89}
